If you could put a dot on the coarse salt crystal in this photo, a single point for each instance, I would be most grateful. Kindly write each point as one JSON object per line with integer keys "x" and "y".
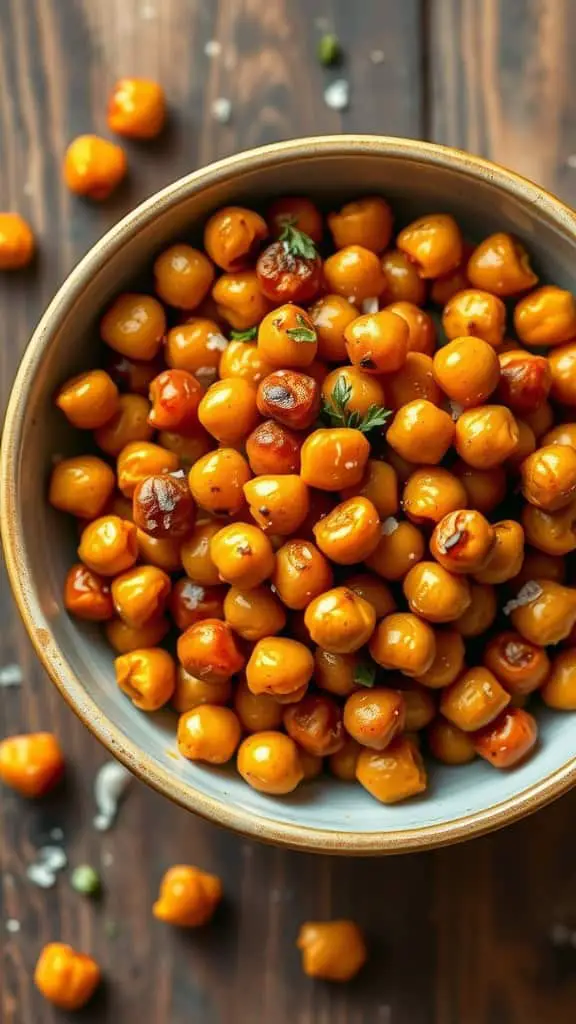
{"x": 337, "y": 94}
{"x": 109, "y": 786}
{"x": 390, "y": 525}
{"x": 216, "y": 343}
{"x": 222, "y": 109}
{"x": 370, "y": 305}
{"x": 377, "y": 56}
{"x": 528, "y": 593}
{"x": 10, "y": 675}
{"x": 50, "y": 860}
{"x": 12, "y": 925}
{"x": 456, "y": 410}
{"x": 571, "y": 160}
{"x": 194, "y": 595}
{"x": 56, "y": 834}
{"x": 213, "y": 48}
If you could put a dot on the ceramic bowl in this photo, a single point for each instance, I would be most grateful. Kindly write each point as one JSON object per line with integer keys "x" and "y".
{"x": 40, "y": 544}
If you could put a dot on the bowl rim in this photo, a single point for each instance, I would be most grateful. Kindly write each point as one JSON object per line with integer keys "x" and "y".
{"x": 53, "y": 659}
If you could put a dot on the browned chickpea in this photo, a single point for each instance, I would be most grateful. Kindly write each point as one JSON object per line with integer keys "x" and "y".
{"x": 190, "y": 692}
{"x": 549, "y": 477}
{"x": 291, "y": 398}
{"x": 547, "y": 316}
{"x": 89, "y": 400}
{"x": 364, "y": 389}
{"x": 474, "y": 700}
{"x": 448, "y": 661}
{"x": 334, "y": 458}
{"x": 163, "y": 506}
{"x": 421, "y": 328}
{"x": 279, "y": 504}
{"x": 433, "y": 243}
{"x": 450, "y": 744}
{"x": 507, "y": 740}
{"x": 540, "y": 420}
{"x": 435, "y": 594}
{"x": 243, "y": 555}
{"x": 559, "y": 690}
{"x": 403, "y": 642}
{"x": 208, "y": 650}
{"x": 128, "y": 424}
{"x": 183, "y": 276}
{"x": 340, "y": 621}
{"x": 421, "y": 432}
{"x": 290, "y": 269}
{"x": 486, "y": 436}
{"x": 81, "y": 486}
{"x": 189, "y": 603}
{"x": 507, "y": 554}
{"x": 301, "y": 573}
{"x": 545, "y": 612}
{"x": 374, "y": 717}
{"x": 525, "y": 381}
{"x": 366, "y": 222}
{"x": 108, "y": 545}
{"x": 123, "y": 638}
{"x": 500, "y": 265}
{"x": 413, "y": 382}
{"x": 195, "y": 555}
{"x": 269, "y": 762}
{"x": 256, "y": 712}
{"x": 140, "y": 594}
{"x": 430, "y": 494}
{"x": 296, "y": 210}
{"x": 477, "y": 314}
{"x": 379, "y": 485}
{"x": 147, "y": 676}
{"x": 481, "y": 611}
{"x": 142, "y": 459}
{"x": 287, "y": 338}
{"x": 175, "y": 396}
{"x": 463, "y": 541}
{"x": 336, "y": 673}
{"x": 538, "y": 565}
{"x": 272, "y": 448}
{"x": 401, "y": 545}
{"x": 467, "y": 370}
{"x": 394, "y": 774}
{"x": 243, "y": 359}
{"x": 562, "y": 363}
{"x": 420, "y": 708}
{"x": 315, "y": 724}
{"x": 87, "y": 595}
{"x": 232, "y": 237}
{"x": 355, "y": 273}
{"x": 239, "y": 300}
{"x": 228, "y": 410}
{"x": 343, "y": 763}
{"x": 377, "y": 342}
{"x": 330, "y": 316}
{"x": 520, "y": 666}
{"x": 554, "y": 533}
{"x": 134, "y": 326}
{"x": 349, "y": 533}
{"x": 254, "y": 614}
{"x": 208, "y": 733}
{"x": 402, "y": 282}
{"x": 279, "y": 666}
{"x": 485, "y": 488}
{"x": 373, "y": 590}
{"x": 217, "y": 479}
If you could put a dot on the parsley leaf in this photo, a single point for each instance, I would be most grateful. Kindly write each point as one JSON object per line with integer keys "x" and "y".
{"x": 365, "y": 673}
{"x": 296, "y": 243}
{"x": 249, "y": 335}
{"x": 336, "y": 409}
{"x": 303, "y": 332}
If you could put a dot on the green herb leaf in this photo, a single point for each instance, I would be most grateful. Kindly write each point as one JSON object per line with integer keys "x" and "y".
{"x": 296, "y": 243}
{"x": 250, "y": 335}
{"x": 329, "y": 50}
{"x": 336, "y": 409}
{"x": 303, "y": 332}
{"x": 365, "y": 673}
{"x": 86, "y": 880}
{"x": 375, "y": 417}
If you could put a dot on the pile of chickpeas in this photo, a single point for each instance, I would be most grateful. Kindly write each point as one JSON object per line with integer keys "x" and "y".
{"x": 329, "y": 495}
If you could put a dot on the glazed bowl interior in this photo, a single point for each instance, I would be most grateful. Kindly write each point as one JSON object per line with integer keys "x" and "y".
{"x": 40, "y": 543}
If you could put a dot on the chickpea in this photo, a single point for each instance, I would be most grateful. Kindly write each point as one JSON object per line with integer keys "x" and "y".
{"x": 554, "y": 533}
{"x": 291, "y": 398}
{"x": 137, "y": 108}
{"x": 486, "y": 436}
{"x": 163, "y": 552}
{"x": 195, "y": 345}
{"x": 414, "y": 382}
{"x": 402, "y": 283}
{"x": 142, "y": 459}
{"x": 379, "y": 485}
{"x": 549, "y": 477}
{"x": 430, "y": 494}
{"x": 433, "y": 243}
{"x": 420, "y": 710}
{"x": 147, "y": 676}
{"x": 81, "y": 486}
{"x": 232, "y": 237}
{"x": 332, "y": 950}
{"x": 421, "y": 328}
{"x": 340, "y": 621}
{"x": 297, "y": 211}
{"x": 374, "y": 717}
{"x": 196, "y": 558}
{"x": 243, "y": 359}
{"x": 320, "y": 504}
{"x": 188, "y": 897}
{"x": 562, "y": 363}
{"x": 538, "y": 565}
{"x": 86, "y": 595}
{"x": 334, "y": 458}
{"x": 108, "y": 545}
{"x": 89, "y": 400}
{"x": 421, "y": 432}
{"x": 559, "y": 690}
{"x": 287, "y": 338}
{"x": 349, "y": 533}
{"x": 243, "y": 555}
{"x": 290, "y": 270}
{"x": 254, "y": 614}
{"x": 485, "y": 488}
{"x": 134, "y": 375}
{"x": 217, "y": 479}
{"x": 208, "y": 732}
{"x": 65, "y": 978}
{"x": 520, "y": 666}
{"x": 279, "y": 666}
{"x": 377, "y": 342}
{"x": 563, "y": 433}
{"x": 506, "y": 556}
{"x": 189, "y": 603}
{"x": 330, "y": 316}
{"x": 256, "y": 712}
{"x": 355, "y": 273}
{"x": 183, "y": 276}
{"x": 335, "y": 673}
{"x": 467, "y": 370}
{"x": 127, "y": 425}
{"x": 94, "y": 167}
{"x": 474, "y": 700}
{"x": 475, "y": 314}
{"x": 541, "y": 420}
{"x": 239, "y": 300}
{"x": 500, "y": 265}
{"x": 448, "y": 661}
{"x": 436, "y": 594}
{"x": 525, "y": 446}
{"x": 163, "y": 506}
{"x": 31, "y": 764}
{"x": 405, "y": 643}
{"x": 443, "y": 288}
{"x": 175, "y": 396}
{"x": 17, "y": 243}
{"x": 401, "y": 545}
{"x": 394, "y": 774}
{"x": 547, "y": 316}
{"x": 272, "y": 448}
{"x": 134, "y": 326}
{"x": 463, "y": 541}
{"x": 373, "y": 590}
{"x": 365, "y": 222}
{"x": 364, "y": 389}
{"x": 301, "y": 573}
{"x": 279, "y": 504}
{"x": 269, "y": 762}
{"x": 547, "y": 614}
{"x": 343, "y": 763}
{"x": 525, "y": 381}
{"x": 508, "y": 740}
{"x": 124, "y": 639}
{"x": 315, "y": 724}
{"x": 208, "y": 650}
{"x": 481, "y": 611}
{"x": 450, "y": 744}
{"x": 190, "y": 692}
{"x": 140, "y": 594}
{"x": 228, "y": 410}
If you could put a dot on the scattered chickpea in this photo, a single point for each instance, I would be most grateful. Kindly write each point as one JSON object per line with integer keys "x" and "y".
{"x": 332, "y": 950}
{"x": 137, "y": 108}
{"x": 64, "y": 977}
{"x": 94, "y": 167}
{"x": 17, "y": 243}
{"x": 188, "y": 897}
{"x": 32, "y": 764}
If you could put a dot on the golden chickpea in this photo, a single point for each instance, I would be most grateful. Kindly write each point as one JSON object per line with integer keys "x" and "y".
{"x": 330, "y": 316}
{"x": 474, "y": 700}
{"x": 269, "y": 762}
{"x": 373, "y": 590}
{"x": 559, "y": 690}
{"x": 81, "y": 486}
{"x": 239, "y": 299}
{"x": 467, "y": 370}
{"x": 135, "y": 375}
{"x": 16, "y": 242}
{"x": 507, "y": 554}
{"x": 290, "y": 397}
{"x": 334, "y": 458}
{"x": 123, "y": 638}
{"x": 450, "y": 744}
{"x": 366, "y": 222}
{"x": 481, "y": 611}
{"x": 134, "y": 326}
{"x": 287, "y": 338}
{"x": 377, "y": 342}
{"x": 355, "y": 273}
{"x": 140, "y": 594}
{"x": 279, "y": 666}
{"x": 364, "y": 389}
{"x": 540, "y": 420}
{"x": 142, "y": 459}
{"x": 475, "y": 314}
{"x": 374, "y": 717}
{"x": 421, "y": 328}
{"x": 402, "y": 283}
{"x": 332, "y": 950}
{"x": 430, "y": 494}
{"x": 108, "y": 545}
{"x": 195, "y": 345}
{"x": 538, "y": 565}
{"x": 463, "y": 541}
{"x": 443, "y": 288}
{"x": 243, "y": 359}
{"x": 208, "y": 650}
{"x": 562, "y": 363}
{"x": 520, "y": 666}
{"x": 175, "y": 396}
{"x": 405, "y": 643}
{"x": 190, "y": 692}
{"x": 486, "y": 436}
{"x": 128, "y": 424}
{"x": 228, "y": 410}
{"x": 554, "y": 533}
{"x": 93, "y": 167}
{"x": 336, "y": 673}
{"x": 300, "y": 574}
{"x": 547, "y": 316}
{"x": 485, "y": 488}
{"x": 32, "y": 764}
{"x": 183, "y": 276}
{"x": 421, "y": 432}
{"x": 137, "y": 108}
{"x": 549, "y": 477}
{"x": 500, "y": 265}
{"x": 435, "y": 594}
{"x": 147, "y": 676}
{"x": 433, "y": 243}
{"x": 217, "y": 480}
{"x": 87, "y": 595}
{"x": 315, "y": 724}
{"x": 89, "y": 400}
{"x": 525, "y": 381}
{"x": 525, "y": 446}
{"x": 448, "y": 661}
{"x": 243, "y": 555}
{"x": 349, "y": 533}
{"x": 256, "y": 712}
{"x": 343, "y": 763}
{"x": 278, "y": 504}
{"x": 563, "y": 433}
{"x": 379, "y": 485}
{"x": 208, "y": 732}
{"x": 546, "y": 614}
{"x": 401, "y": 545}
{"x": 195, "y": 555}
{"x": 254, "y": 614}
{"x": 415, "y": 381}
{"x": 394, "y": 774}
{"x": 65, "y": 978}
{"x": 298, "y": 211}
{"x": 420, "y": 709}
{"x": 188, "y": 897}
{"x": 340, "y": 621}
{"x": 232, "y": 237}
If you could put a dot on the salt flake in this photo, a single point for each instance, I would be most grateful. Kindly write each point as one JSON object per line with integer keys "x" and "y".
{"x": 109, "y": 786}
{"x": 337, "y": 94}
{"x": 10, "y": 675}
{"x": 528, "y": 593}
{"x": 377, "y": 56}
{"x": 222, "y": 109}
{"x": 50, "y": 860}
{"x": 456, "y": 410}
{"x": 12, "y": 925}
{"x": 216, "y": 343}
{"x": 213, "y": 48}
{"x": 370, "y": 305}
{"x": 389, "y": 526}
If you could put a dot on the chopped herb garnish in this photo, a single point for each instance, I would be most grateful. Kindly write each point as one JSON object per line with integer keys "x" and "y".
{"x": 336, "y": 409}
{"x": 250, "y": 335}
{"x": 365, "y": 673}
{"x": 329, "y": 50}
{"x": 296, "y": 242}
{"x": 85, "y": 879}
{"x": 303, "y": 332}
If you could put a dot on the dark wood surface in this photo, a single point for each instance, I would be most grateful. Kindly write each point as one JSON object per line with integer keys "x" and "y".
{"x": 459, "y": 936}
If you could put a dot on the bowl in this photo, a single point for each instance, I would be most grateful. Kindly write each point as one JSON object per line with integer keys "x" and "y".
{"x": 325, "y": 815}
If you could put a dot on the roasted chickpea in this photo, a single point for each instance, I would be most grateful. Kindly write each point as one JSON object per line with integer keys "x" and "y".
{"x": 332, "y": 950}
{"x": 290, "y": 270}
{"x": 128, "y": 424}
{"x": 474, "y": 700}
{"x": 164, "y": 552}
{"x": 239, "y": 299}
{"x": 87, "y": 595}
{"x": 350, "y": 533}
{"x": 547, "y": 316}
{"x": 436, "y": 594}
{"x": 232, "y": 237}
{"x": 137, "y": 108}
{"x": 475, "y": 314}
{"x": 538, "y": 565}
{"x": 279, "y": 666}
{"x": 448, "y": 661}
{"x": 340, "y": 621}
{"x": 414, "y": 382}
{"x": 525, "y": 381}
{"x": 394, "y": 774}
{"x": 563, "y": 433}
{"x": 373, "y": 590}
{"x": 190, "y": 692}
{"x": 163, "y": 506}
{"x": 208, "y": 650}
{"x": 562, "y": 363}
{"x": 520, "y": 666}
{"x": 315, "y": 724}
{"x": 217, "y": 479}
{"x": 507, "y": 740}
{"x": 301, "y": 573}
{"x": 195, "y": 555}
{"x": 297, "y": 211}
{"x": 450, "y": 744}
{"x": 195, "y": 346}
{"x": 189, "y": 603}
{"x": 16, "y": 242}
{"x": 355, "y": 273}
{"x": 330, "y": 316}
{"x": 175, "y": 396}
{"x": 32, "y": 764}
{"x": 467, "y": 370}
{"x": 140, "y": 594}
{"x": 463, "y": 541}
{"x": 289, "y": 397}
{"x": 243, "y": 359}
{"x": 81, "y": 486}
{"x": 379, "y": 485}
{"x": 287, "y": 338}
{"x": 421, "y": 328}
{"x": 559, "y": 690}
{"x": 64, "y": 977}
{"x": 485, "y": 488}
{"x": 481, "y": 611}
{"x": 402, "y": 283}
{"x": 278, "y": 504}
{"x": 336, "y": 673}
{"x": 188, "y": 897}
{"x": 271, "y": 448}
{"x": 433, "y": 243}
{"x": 269, "y": 762}
{"x": 430, "y": 494}
{"x": 208, "y": 732}
{"x": 334, "y": 458}
{"x": 243, "y": 555}
{"x": 123, "y": 638}
{"x": 554, "y": 533}
{"x": 420, "y": 708}
{"x": 549, "y": 477}
{"x": 486, "y": 436}
{"x": 374, "y": 717}
{"x": 500, "y": 265}
{"x": 405, "y": 643}
{"x": 228, "y": 410}
{"x": 545, "y": 612}
{"x": 134, "y": 326}
{"x": 89, "y": 400}
{"x": 343, "y": 763}
{"x": 541, "y": 420}
{"x": 444, "y": 287}
{"x": 93, "y": 167}
{"x": 401, "y": 545}
{"x": 421, "y": 432}
{"x": 377, "y": 342}
{"x": 183, "y": 276}
{"x": 256, "y": 712}
{"x": 108, "y": 545}
{"x": 525, "y": 446}
{"x": 506, "y": 556}
{"x": 366, "y": 222}
{"x": 364, "y": 389}
{"x": 147, "y": 676}
{"x": 254, "y": 614}
{"x": 133, "y": 375}
{"x": 142, "y": 459}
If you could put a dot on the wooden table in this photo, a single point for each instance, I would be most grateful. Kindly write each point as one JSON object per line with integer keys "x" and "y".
{"x": 459, "y": 936}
